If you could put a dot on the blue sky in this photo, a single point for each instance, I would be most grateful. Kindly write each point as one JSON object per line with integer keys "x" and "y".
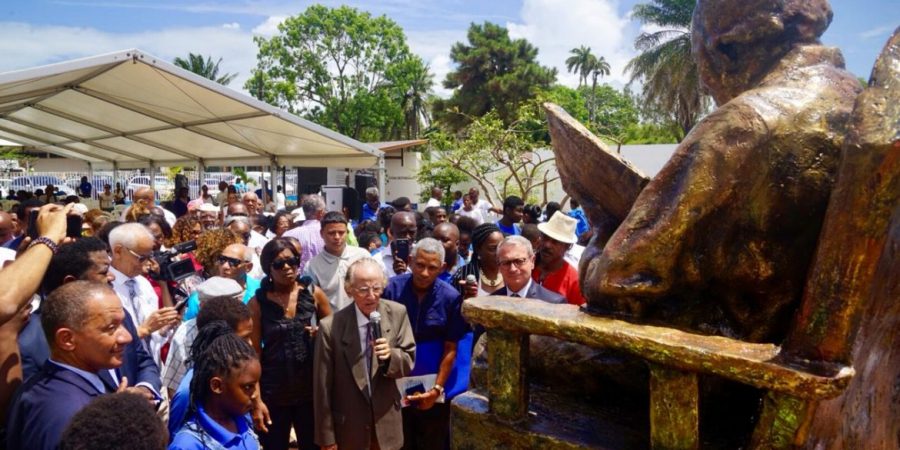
{"x": 35, "y": 32}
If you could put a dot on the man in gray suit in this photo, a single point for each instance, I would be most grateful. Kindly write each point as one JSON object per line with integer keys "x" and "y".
{"x": 357, "y": 402}
{"x": 516, "y": 257}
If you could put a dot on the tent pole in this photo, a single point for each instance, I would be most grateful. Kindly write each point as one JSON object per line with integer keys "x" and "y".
{"x": 201, "y": 175}
{"x": 152, "y": 172}
{"x": 382, "y": 177}
{"x": 91, "y": 179}
{"x": 115, "y": 177}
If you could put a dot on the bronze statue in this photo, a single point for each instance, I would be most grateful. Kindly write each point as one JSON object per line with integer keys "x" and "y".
{"x": 720, "y": 240}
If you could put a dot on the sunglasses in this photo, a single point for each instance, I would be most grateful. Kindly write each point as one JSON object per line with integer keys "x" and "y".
{"x": 279, "y": 264}
{"x": 141, "y": 258}
{"x": 222, "y": 259}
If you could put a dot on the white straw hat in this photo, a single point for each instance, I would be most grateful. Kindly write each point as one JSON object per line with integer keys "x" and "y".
{"x": 560, "y": 227}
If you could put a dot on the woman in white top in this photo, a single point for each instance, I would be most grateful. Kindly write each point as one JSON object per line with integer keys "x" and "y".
{"x": 468, "y": 210}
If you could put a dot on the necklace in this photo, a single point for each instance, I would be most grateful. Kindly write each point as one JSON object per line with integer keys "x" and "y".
{"x": 490, "y": 282}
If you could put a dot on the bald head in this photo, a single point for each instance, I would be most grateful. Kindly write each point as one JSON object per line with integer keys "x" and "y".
{"x": 403, "y": 225}
{"x": 144, "y": 194}
{"x": 237, "y": 209}
{"x": 448, "y": 234}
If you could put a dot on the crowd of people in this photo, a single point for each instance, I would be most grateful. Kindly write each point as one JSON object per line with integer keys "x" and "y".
{"x": 218, "y": 325}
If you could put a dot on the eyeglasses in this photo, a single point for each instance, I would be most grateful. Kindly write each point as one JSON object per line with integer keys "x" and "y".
{"x": 514, "y": 262}
{"x": 222, "y": 259}
{"x": 279, "y": 264}
{"x": 366, "y": 290}
{"x": 141, "y": 258}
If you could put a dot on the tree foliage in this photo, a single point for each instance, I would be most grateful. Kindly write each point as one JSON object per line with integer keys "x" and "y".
{"x": 494, "y": 73}
{"x": 671, "y": 82}
{"x": 343, "y": 69}
{"x": 205, "y": 68}
{"x": 501, "y": 159}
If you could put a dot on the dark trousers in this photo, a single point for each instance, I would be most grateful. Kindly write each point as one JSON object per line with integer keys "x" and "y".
{"x": 299, "y": 416}
{"x": 428, "y": 429}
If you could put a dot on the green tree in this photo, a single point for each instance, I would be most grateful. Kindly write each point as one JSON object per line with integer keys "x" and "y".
{"x": 341, "y": 68}
{"x": 581, "y": 63}
{"x": 493, "y": 72}
{"x": 205, "y": 68}
{"x": 502, "y": 159}
{"x": 413, "y": 81}
{"x": 671, "y": 83}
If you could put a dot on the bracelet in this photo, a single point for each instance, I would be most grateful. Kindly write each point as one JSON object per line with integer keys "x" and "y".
{"x": 439, "y": 389}
{"x": 46, "y": 241}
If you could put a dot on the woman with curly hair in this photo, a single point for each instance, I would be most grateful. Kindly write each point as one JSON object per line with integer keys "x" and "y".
{"x": 210, "y": 246}
{"x": 187, "y": 228}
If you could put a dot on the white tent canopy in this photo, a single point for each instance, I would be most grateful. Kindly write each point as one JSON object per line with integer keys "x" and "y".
{"x": 132, "y": 110}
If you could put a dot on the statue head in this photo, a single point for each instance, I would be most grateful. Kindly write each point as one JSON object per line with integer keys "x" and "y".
{"x": 737, "y": 42}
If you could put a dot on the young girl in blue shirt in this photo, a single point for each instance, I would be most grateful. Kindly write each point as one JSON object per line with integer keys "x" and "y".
{"x": 222, "y": 392}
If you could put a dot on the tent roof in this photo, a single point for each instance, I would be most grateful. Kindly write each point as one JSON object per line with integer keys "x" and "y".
{"x": 136, "y": 110}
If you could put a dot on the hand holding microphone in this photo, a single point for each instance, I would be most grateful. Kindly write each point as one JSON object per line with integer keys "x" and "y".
{"x": 381, "y": 348}
{"x": 470, "y": 286}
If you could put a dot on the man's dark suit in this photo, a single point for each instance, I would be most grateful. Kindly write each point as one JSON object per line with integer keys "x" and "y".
{"x": 44, "y": 406}
{"x": 137, "y": 364}
{"x": 536, "y": 291}
{"x": 345, "y": 413}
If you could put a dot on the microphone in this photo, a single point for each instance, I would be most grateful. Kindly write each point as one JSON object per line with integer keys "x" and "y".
{"x": 375, "y": 319}
{"x": 470, "y": 280}
{"x": 306, "y": 281}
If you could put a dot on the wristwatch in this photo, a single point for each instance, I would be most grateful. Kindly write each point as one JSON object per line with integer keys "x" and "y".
{"x": 439, "y": 389}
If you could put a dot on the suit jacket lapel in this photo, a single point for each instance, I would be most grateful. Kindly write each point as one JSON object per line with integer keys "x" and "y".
{"x": 353, "y": 352}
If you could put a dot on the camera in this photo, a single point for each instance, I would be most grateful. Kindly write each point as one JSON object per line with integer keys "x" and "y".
{"x": 170, "y": 270}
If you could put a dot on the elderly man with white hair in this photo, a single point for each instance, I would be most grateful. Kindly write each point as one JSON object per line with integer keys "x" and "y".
{"x": 438, "y": 326}
{"x": 132, "y": 249}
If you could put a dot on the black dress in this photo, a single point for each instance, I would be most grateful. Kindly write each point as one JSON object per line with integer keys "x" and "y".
{"x": 287, "y": 370}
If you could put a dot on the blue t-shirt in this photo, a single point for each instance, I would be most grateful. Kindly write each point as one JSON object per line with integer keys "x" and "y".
{"x": 583, "y": 225}
{"x": 508, "y": 231}
{"x": 193, "y": 305}
{"x": 368, "y": 213}
{"x": 202, "y": 432}
{"x": 178, "y": 404}
{"x": 447, "y": 275}
{"x": 437, "y": 317}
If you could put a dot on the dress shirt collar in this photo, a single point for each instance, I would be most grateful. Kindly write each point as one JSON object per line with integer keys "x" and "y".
{"x": 91, "y": 378}
{"x": 220, "y": 433}
{"x": 121, "y": 278}
{"x": 521, "y": 292}
{"x": 361, "y": 319}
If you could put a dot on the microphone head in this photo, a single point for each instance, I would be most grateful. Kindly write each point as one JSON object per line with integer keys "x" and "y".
{"x": 305, "y": 280}
{"x": 375, "y": 317}
{"x": 470, "y": 279}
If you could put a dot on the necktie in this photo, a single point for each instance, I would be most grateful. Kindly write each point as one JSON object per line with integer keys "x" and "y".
{"x": 370, "y": 342}
{"x": 514, "y": 294}
{"x": 132, "y": 298}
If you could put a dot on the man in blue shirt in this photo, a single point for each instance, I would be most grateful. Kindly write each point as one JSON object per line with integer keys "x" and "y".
{"x": 513, "y": 210}
{"x": 448, "y": 234}
{"x": 578, "y": 214}
{"x": 234, "y": 262}
{"x": 372, "y": 205}
{"x": 434, "y": 312}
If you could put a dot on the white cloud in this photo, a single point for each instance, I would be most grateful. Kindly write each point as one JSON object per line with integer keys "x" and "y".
{"x": 876, "y": 32}
{"x": 232, "y": 25}
{"x": 269, "y": 27}
{"x": 556, "y": 29}
{"x": 24, "y": 45}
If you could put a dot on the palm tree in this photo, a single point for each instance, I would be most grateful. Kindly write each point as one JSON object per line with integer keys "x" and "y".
{"x": 581, "y": 61}
{"x": 204, "y": 67}
{"x": 599, "y": 67}
{"x": 415, "y": 99}
{"x": 665, "y": 67}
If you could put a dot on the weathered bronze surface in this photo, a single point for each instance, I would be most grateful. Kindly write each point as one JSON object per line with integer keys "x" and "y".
{"x": 721, "y": 239}
{"x": 609, "y": 192}
{"x": 729, "y": 261}
{"x": 751, "y": 364}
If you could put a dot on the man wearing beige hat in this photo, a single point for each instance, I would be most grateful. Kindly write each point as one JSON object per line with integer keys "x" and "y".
{"x": 552, "y": 271}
